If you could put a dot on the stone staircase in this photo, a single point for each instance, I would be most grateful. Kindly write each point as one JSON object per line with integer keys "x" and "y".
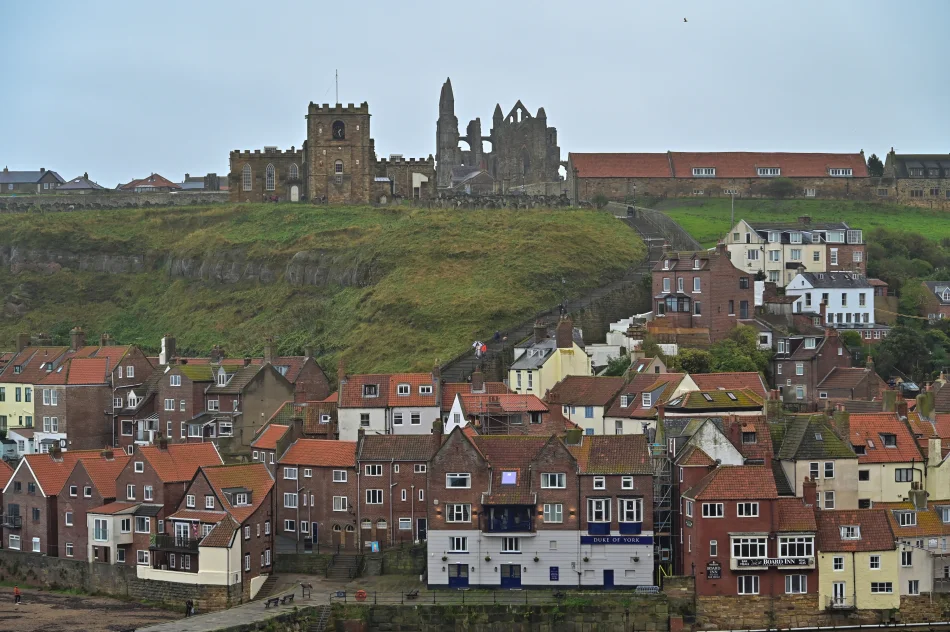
{"x": 344, "y": 567}
{"x": 320, "y": 623}
{"x": 267, "y": 588}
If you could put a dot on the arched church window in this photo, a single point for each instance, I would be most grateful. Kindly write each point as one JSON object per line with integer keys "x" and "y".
{"x": 246, "y": 177}
{"x": 270, "y": 178}
{"x": 294, "y": 173}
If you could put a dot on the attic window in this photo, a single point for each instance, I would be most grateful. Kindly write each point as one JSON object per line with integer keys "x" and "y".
{"x": 748, "y": 437}
{"x": 324, "y": 419}
{"x": 402, "y": 389}
{"x": 696, "y": 264}
{"x": 859, "y": 450}
{"x": 889, "y": 440}
{"x": 17, "y": 369}
{"x": 282, "y": 369}
{"x": 624, "y": 401}
{"x": 509, "y": 478}
{"x": 371, "y": 390}
{"x": 818, "y": 437}
{"x": 707, "y": 397}
{"x": 871, "y": 444}
{"x": 732, "y": 396}
{"x": 647, "y": 400}
{"x": 222, "y": 378}
{"x": 425, "y": 389}
{"x": 850, "y": 532}
{"x": 944, "y": 514}
{"x": 809, "y": 343}
{"x": 906, "y": 518}
{"x": 666, "y": 264}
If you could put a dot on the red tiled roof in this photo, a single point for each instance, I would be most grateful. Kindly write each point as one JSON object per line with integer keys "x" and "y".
{"x": 332, "y": 398}
{"x": 222, "y": 534}
{"x": 730, "y": 381}
{"x": 762, "y": 448}
{"x": 694, "y": 456}
{"x": 793, "y": 515}
{"x": 844, "y": 377}
{"x": 876, "y": 534}
{"x": 113, "y": 507}
{"x": 414, "y": 398}
{"x": 6, "y": 471}
{"x": 154, "y": 180}
{"x": 83, "y": 371}
{"x": 735, "y": 482}
{"x": 269, "y": 436}
{"x": 31, "y": 361}
{"x": 635, "y": 389}
{"x": 321, "y": 453}
{"x": 620, "y": 165}
{"x": 582, "y": 390}
{"x": 613, "y": 454}
{"x": 743, "y": 164}
{"x": 928, "y": 521}
{"x": 450, "y": 390}
{"x": 508, "y": 403}
{"x": 103, "y": 473}
{"x": 293, "y": 363}
{"x": 253, "y": 476}
{"x": 866, "y": 430}
{"x": 351, "y": 391}
{"x": 180, "y": 461}
{"x": 52, "y": 474}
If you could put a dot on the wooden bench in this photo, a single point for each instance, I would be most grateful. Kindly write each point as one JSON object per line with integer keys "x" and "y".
{"x": 289, "y": 598}
{"x": 273, "y": 601}
{"x": 414, "y": 594}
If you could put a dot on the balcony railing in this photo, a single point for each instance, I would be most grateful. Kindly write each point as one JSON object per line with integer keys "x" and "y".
{"x": 173, "y": 542}
{"x": 13, "y": 521}
{"x": 512, "y": 519}
{"x": 840, "y": 603}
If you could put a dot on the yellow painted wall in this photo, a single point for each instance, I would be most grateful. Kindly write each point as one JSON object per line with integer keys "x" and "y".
{"x": 563, "y": 362}
{"x": 858, "y": 576}
{"x": 15, "y": 410}
{"x": 881, "y": 486}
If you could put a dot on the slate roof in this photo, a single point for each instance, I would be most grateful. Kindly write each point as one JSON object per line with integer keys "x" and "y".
{"x": 179, "y": 461}
{"x": 735, "y": 482}
{"x": 802, "y": 442}
{"x": 80, "y": 184}
{"x": 253, "y": 476}
{"x": 843, "y": 377}
{"x": 321, "y": 453}
{"x": 928, "y": 520}
{"x": 535, "y": 355}
{"x": 876, "y": 533}
{"x": 26, "y": 177}
{"x": 938, "y": 288}
{"x": 835, "y": 280}
{"x": 581, "y": 390}
{"x": 751, "y": 380}
{"x": 196, "y": 372}
{"x": 238, "y": 381}
{"x": 613, "y": 454}
{"x": 398, "y": 447}
{"x": 866, "y": 430}
{"x": 268, "y": 438}
{"x": 198, "y": 515}
{"x": 793, "y": 515}
{"x": 860, "y": 406}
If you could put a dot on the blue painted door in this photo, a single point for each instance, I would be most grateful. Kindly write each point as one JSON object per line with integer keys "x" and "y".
{"x": 511, "y": 575}
{"x": 608, "y": 579}
{"x": 458, "y": 575}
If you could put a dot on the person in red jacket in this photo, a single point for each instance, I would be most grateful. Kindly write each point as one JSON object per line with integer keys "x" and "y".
{"x": 16, "y": 595}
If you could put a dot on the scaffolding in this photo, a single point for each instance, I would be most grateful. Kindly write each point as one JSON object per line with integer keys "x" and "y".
{"x": 662, "y": 511}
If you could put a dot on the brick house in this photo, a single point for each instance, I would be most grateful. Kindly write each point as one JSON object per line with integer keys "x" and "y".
{"x": 856, "y": 383}
{"x": 807, "y": 446}
{"x": 889, "y": 458}
{"x": 635, "y": 407}
{"x": 502, "y": 498}
{"x": 221, "y": 533}
{"x": 317, "y": 493}
{"x": 32, "y": 500}
{"x": 504, "y": 413}
{"x": 6, "y": 473}
{"x": 393, "y": 475}
{"x": 740, "y": 538}
{"x": 936, "y": 304}
{"x": 699, "y": 294}
{"x": 40, "y": 182}
{"x": 401, "y": 403}
{"x": 801, "y": 362}
{"x": 623, "y": 176}
{"x": 74, "y": 404}
{"x": 91, "y": 484}
{"x": 149, "y": 487}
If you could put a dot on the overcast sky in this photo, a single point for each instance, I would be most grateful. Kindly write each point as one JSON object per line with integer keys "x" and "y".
{"x": 122, "y": 89}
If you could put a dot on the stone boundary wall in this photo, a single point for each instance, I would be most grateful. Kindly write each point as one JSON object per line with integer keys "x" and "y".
{"x": 93, "y": 202}
{"x": 497, "y": 200}
{"x": 114, "y": 580}
{"x": 303, "y": 563}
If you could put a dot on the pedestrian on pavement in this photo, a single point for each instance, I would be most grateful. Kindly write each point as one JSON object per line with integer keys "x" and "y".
{"x": 188, "y": 606}
{"x": 16, "y": 595}
{"x": 497, "y": 335}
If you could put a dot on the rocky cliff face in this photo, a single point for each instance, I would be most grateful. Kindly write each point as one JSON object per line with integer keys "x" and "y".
{"x": 314, "y": 268}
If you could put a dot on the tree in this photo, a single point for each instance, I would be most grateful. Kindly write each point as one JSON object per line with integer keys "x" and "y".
{"x": 617, "y": 366}
{"x": 875, "y": 166}
{"x": 727, "y": 356}
{"x": 600, "y": 200}
{"x": 907, "y": 352}
{"x": 851, "y": 339}
{"x": 694, "y": 361}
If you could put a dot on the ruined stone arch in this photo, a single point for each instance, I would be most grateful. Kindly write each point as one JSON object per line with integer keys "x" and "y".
{"x": 525, "y": 161}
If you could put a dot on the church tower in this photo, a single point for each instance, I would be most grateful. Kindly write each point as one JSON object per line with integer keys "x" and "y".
{"x": 448, "y": 154}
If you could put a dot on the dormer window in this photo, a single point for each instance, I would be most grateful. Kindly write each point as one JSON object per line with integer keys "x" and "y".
{"x": 915, "y": 172}
{"x": 840, "y": 173}
{"x": 851, "y": 532}
{"x": 371, "y": 390}
{"x": 889, "y": 440}
{"x": 425, "y": 389}
{"x": 748, "y": 438}
{"x": 906, "y": 518}
{"x": 768, "y": 171}
{"x": 647, "y": 399}
{"x": 222, "y": 378}
{"x": 666, "y": 264}
{"x": 697, "y": 263}
{"x": 402, "y": 389}
{"x": 809, "y": 343}
{"x": 946, "y": 295}
{"x": 860, "y": 450}
{"x": 944, "y": 514}
{"x": 774, "y": 236}
{"x": 624, "y": 401}
{"x": 704, "y": 172}
{"x": 795, "y": 237}
{"x": 324, "y": 419}
{"x": 17, "y": 369}
{"x": 242, "y": 499}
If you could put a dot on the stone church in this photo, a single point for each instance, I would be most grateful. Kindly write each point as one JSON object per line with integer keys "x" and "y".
{"x": 336, "y": 165}
{"x": 524, "y": 149}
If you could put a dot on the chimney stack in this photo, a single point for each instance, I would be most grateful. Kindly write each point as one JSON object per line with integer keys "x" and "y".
{"x": 77, "y": 338}
{"x": 308, "y": 352}
{"x": 22, "y": 341}
{"x": 167, "y": 355}
{"x": 268, "y": 350}
{"x": 107, "y": 454}
{"x": 105, "y": 340}
{"x": 804, "y": 219}
{"x": 901, "y": 408}
{"x": 247, "y": 360}
{"x": 436, "y": 373}
{"x": 917, "y": 496}
{"x": 540, "y": 331}
{"x": 842, "y": 421}
{"x": 216, "y": 355}
{"x": 810, "y": 492}
{"x": 721, "y": 248}
{"x": 564, "y": 334}
{"x": 478, "y": 381}
{"x": 42, "y": 169}
{"x": 340, "y": 373}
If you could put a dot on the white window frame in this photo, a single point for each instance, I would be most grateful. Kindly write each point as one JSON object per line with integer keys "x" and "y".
{"x": 553, "y": 513}
{"x": 714, "y": 510}
{"x": 339, "y": 476}
{"x": 553, "y": 480}
{"x": 747, "y": 510}
{"x": 460, "y": 477}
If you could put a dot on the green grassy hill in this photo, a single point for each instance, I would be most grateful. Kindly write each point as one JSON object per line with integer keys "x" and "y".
{"x": 708, "y": 220}
{"x": 429, "y": 281}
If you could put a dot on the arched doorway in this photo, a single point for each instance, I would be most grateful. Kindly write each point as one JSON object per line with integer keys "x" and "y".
{"x": 349, "y": 539}
{"x": 294, "y": 193}
{"x": 337, "y": 537}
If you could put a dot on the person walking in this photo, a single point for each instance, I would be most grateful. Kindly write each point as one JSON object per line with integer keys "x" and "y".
{"x": 16, "y": 595}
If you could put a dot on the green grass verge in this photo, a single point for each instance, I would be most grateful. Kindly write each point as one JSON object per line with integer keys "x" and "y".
{"x": 708, "y": 220}
{"x": 443, "y": 277}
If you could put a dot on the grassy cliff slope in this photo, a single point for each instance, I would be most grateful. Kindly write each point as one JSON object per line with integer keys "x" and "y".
{"x": 428, "y": 281}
